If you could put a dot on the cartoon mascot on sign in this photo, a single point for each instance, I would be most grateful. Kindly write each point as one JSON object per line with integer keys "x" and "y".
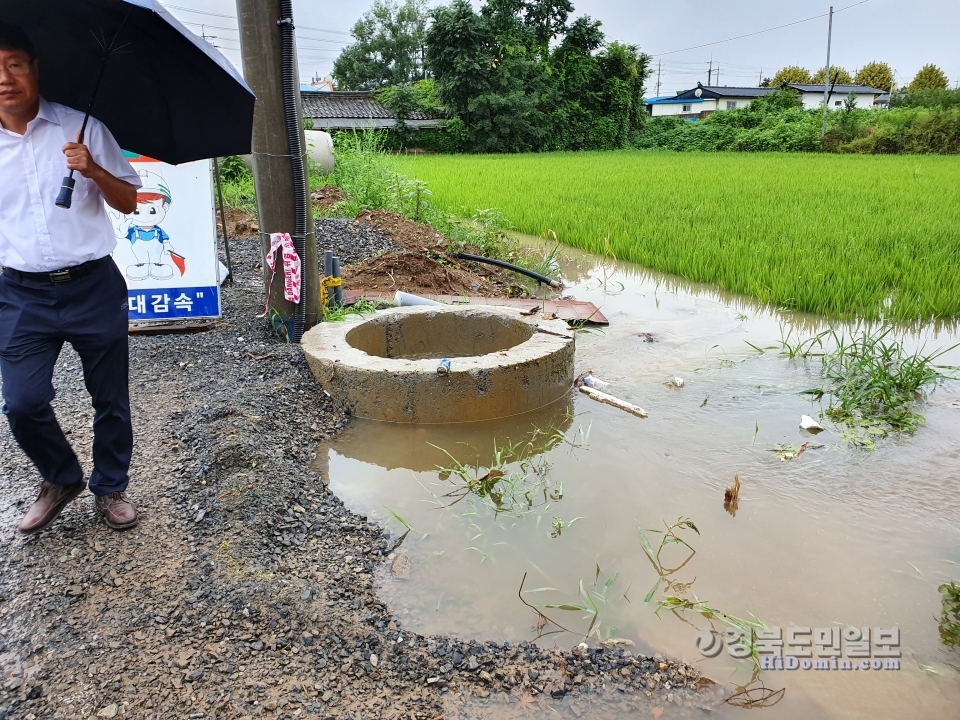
{"x": 155, "y": 256}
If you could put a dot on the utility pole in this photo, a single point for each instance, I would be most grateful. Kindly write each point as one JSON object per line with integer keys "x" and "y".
{"x": 658, "y": 77}
{"x": 260, "y": 48}
{"x": 710, "y": 71}
{"x": 826, "y": 76}
{"x": 718, "y": 73}
{"x": 760, "y": 82}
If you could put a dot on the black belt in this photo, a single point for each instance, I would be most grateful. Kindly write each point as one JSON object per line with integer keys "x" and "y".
{"x": 58, "y": 276}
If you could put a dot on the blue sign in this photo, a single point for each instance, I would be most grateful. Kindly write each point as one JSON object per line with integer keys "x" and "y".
{"x": 175, "y": 303}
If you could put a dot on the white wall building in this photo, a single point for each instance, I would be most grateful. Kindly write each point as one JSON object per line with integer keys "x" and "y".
{"x": 703, "y": 100}
{"x": 812, "y": 96}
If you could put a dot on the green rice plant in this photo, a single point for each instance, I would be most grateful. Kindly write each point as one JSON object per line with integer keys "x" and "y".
{"x": 875, "y": 385}
{"x": 840, "y": 235}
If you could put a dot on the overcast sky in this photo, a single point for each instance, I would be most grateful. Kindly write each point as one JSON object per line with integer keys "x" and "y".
{"x": 905, "y": 33}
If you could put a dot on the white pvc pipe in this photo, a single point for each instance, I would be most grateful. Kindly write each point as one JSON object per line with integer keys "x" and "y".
{"x": 402, "y": 299}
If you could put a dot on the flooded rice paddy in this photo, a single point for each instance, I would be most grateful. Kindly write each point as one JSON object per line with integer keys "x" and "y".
{"x": 838, "y": 537}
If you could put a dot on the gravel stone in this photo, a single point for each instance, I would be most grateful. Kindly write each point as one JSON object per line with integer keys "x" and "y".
{"x": 350, "y": 241}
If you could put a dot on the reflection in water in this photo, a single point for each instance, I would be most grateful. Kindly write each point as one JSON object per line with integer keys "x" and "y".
{"x": 418, "y": 447}
{"x": 835, "y": 537}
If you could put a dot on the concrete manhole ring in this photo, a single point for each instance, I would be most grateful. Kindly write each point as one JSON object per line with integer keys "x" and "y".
{"x": 384, "y": 366}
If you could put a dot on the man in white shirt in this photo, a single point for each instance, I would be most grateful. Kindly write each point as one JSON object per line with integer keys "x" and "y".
{"x": 59, "y": 284}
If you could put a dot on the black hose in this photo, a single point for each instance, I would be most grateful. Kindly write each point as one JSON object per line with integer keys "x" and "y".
{"x": 291, "y": 85}
{"x": 542, "y": 279}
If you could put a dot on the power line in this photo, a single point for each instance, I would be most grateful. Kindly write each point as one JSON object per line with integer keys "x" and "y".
{"x": 760, "y": 32}
{"x": 234, "y": 17}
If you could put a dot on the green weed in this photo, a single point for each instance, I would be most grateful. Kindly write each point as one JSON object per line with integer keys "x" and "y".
{"x": 875, "y": 385}
{"x": 339, "y": 313}
{"x": 950, "y": 616}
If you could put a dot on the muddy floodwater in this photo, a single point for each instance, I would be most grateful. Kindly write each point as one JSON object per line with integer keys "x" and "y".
{"x": 838, "y": 537}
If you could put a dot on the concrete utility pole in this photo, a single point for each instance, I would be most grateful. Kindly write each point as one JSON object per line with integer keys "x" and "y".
{"x": 260, "y": 48}
{"x": 710, "y": 72}
{"x": 826, "y": 76}
{"x": 658, "y": 77}
{"x": 760, "y": 84}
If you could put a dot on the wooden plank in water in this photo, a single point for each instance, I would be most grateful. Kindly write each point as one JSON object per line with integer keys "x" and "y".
{"x": 569, "y": 310}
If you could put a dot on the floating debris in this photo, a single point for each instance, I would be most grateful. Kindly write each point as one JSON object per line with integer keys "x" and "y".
{"x": 615, "y": 402}
{"x": 789, "y": 452}
{"x": 731, "y": 497}
{"x": 810, "y": 425}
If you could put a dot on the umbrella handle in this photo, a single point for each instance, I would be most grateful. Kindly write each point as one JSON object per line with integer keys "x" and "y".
{"x": 65, "y": 198}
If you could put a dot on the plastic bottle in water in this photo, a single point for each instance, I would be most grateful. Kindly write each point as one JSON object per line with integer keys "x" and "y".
{"x": 591, "y": 382}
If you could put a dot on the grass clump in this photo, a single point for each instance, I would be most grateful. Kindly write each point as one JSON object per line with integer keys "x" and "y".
{"x": 950, "y": 616}
{"x": 875, "y": 385}
{"x": 339, "y": 313}
{"x": 237, "y": 184}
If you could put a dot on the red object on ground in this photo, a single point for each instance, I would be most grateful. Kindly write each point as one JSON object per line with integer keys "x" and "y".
{"x": 180, "y": 261}
{"x": 570, "y": 310}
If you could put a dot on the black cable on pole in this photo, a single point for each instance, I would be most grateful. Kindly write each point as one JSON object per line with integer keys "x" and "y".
{"x": 290, "y": 88}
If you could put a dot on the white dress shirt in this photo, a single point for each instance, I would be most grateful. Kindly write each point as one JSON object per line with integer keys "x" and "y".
{"x": 36, "y": 235}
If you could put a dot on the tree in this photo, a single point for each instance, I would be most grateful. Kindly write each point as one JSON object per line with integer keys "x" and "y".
{"x": 790, "y": 74}
{"x": 930, "y": 77}
{"x": 516, "y": 77}
{"x": 409, "y": 98}
{"x": 837, "y": 75}
{"x": 877, "y": 75}
{"x": 389, "y": 47}
{"x": 544, "y": 19}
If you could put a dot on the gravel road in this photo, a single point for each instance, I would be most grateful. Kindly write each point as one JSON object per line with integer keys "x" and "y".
{"x": 246, "y": 591}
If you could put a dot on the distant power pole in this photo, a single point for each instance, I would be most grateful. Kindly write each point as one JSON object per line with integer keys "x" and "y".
{"x": 261, "y": 50}
{"x": 826, "y": 76}
{"x": 710, "y": 71}
{"x": 658, "y": 77}
{"x": 718, "y": 73}
{"x": 760, "y": 83}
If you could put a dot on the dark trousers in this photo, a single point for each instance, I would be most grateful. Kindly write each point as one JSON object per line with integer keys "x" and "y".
{"x": 36, "y": 319}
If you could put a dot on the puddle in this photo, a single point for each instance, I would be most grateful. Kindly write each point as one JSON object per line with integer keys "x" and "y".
{"x": 834, "y": 538}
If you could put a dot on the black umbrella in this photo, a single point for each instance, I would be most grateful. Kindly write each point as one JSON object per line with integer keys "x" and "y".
{"x": 161, "y": 90}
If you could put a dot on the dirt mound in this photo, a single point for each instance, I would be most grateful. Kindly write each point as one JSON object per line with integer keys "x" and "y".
{"x": 326, "y": 197}
{"x": 240, "y": 222}
{"x": 425, "y": 273}
{"x": 404, "y": 232}
{"x": 421, "y": 267}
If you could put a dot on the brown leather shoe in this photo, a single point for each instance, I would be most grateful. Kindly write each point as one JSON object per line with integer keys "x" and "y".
{"x": 118, "y": 512}
{"x": 49, "y": 504}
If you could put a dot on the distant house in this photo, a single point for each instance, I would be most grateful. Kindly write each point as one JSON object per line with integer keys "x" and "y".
{"x": 812, "y": 95}
{"x": 703, "y": 100}
{"x": 338, "y": 110}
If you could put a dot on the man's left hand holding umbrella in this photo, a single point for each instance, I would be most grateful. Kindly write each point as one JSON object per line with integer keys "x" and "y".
{"x": 59, "y": 285}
